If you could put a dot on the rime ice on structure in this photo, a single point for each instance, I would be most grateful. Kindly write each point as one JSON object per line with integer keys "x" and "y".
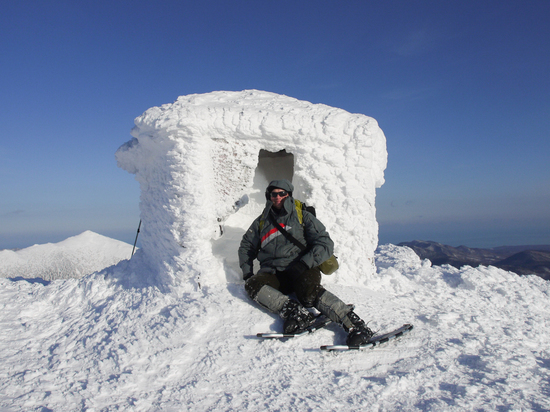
{"x": 200, "y": 158}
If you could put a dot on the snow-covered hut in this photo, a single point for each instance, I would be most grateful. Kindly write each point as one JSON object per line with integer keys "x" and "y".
{"x": 203, "y": 163}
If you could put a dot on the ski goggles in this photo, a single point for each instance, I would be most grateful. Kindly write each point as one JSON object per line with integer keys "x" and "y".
{"x": 282, "y": 193}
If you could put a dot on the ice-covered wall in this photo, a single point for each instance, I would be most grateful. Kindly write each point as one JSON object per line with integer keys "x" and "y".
{"x": 196, "y": 158}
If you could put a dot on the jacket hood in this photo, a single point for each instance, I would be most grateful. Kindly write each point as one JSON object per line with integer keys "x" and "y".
{"x": 280, "y": 184}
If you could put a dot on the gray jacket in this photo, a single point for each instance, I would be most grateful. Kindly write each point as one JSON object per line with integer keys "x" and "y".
{"x": 274, "y": 251}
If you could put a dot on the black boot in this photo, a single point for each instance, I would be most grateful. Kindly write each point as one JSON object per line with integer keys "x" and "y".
{"x": 297, "y": 318}
{"x": 336, "y": 310}
{"x": 358, "y": 333}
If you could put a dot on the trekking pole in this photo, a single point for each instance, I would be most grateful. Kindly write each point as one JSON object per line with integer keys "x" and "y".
{"x": 135, "y": 241}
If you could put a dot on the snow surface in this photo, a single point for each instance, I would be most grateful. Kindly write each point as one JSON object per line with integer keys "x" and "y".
{"x": 198, "y": 162}
{"x": 74, "y": 257}
{"x": 481, "y": 342}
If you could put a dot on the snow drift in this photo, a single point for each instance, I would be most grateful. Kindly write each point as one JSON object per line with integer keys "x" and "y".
{"x": 74, "y": 257}
{"x": 202, "y": 159}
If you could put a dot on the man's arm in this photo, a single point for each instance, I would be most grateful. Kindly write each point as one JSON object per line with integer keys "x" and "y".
{"x": 320, "y": 245}
{"x": 248, "y": 249}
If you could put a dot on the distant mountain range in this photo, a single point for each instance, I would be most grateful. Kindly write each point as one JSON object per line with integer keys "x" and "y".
{"x": 523, "y": 260}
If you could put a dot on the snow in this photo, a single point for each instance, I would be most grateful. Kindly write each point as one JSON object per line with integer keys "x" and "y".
{"x": 480, "y": 343}
{"x": 165, "y": 331}
{"x": 74, "y": 257}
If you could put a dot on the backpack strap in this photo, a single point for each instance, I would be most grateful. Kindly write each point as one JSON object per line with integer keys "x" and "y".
{"x": 299, "y": 210}
{"x": 286, "y": 234}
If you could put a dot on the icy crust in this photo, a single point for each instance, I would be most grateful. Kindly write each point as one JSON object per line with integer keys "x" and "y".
{"x": 74, "y": 257}
{"x": 196, "y": 163}
{"x": 480, "y": 342}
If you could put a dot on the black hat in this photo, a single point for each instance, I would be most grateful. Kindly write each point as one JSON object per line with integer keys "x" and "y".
{"x": 283, "y": 184}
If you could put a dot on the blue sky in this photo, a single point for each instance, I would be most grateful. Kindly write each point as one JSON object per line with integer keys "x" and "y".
{"x": 461, "y": 90}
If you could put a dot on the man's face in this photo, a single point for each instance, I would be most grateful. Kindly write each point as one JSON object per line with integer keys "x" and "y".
{"x": 278, "y": 197}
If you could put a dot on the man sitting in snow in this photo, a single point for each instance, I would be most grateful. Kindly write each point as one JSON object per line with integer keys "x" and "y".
{"x": 285, "y": 269}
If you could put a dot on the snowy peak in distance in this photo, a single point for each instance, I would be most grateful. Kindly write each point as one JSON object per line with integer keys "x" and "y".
{"x": 89, "y": 239}
{"x": 523, "y": 260}
{"x": 74, "y": 257}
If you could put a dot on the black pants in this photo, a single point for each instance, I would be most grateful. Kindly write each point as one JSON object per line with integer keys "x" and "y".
{"x": 307, "y": 286}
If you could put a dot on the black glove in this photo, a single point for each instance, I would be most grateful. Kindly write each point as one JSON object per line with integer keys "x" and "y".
{"x": 248, "y": 276}
{"x": 296, "y": 268}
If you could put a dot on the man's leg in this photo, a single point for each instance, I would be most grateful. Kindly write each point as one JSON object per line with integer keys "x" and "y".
{"x": 307, "y": 286}
{"x": 336, "y": 310}
{"x": 310, "y": 293}
{"x": 263, "y": 288}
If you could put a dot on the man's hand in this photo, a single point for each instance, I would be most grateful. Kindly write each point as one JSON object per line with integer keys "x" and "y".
{"x": 297, "y": 268}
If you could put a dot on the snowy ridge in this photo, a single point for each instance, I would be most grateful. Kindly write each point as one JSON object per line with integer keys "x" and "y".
{"x": 74, "y": 257}
{"x": 480, "y": 343}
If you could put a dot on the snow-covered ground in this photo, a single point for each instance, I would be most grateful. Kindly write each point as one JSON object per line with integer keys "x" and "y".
{"x": 481, "y": 342}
